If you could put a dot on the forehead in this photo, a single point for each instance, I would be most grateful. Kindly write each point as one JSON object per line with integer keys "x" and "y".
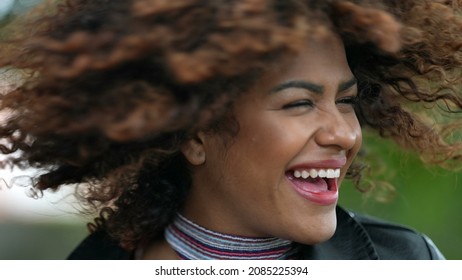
{"x": 322, "y": 61}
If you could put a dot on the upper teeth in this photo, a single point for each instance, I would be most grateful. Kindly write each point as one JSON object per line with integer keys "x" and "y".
{"x": 314, "y": 173}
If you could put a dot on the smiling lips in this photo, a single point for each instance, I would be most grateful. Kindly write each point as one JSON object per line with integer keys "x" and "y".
{"x": 318, "y": 185}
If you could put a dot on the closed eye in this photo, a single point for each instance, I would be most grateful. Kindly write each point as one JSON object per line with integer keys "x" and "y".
{"x": 348, "y": 100}
{"x": 298, "y": 104}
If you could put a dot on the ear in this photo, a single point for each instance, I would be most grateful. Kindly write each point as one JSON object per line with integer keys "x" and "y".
{"x": 193, "y": 149}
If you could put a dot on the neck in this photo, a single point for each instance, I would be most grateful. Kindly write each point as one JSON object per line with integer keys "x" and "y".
{"x": 191, "y": 241}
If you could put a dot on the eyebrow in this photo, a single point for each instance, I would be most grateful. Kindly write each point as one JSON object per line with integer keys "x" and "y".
{"x": 313, "y": 87}
{"x": 299, "y": 84}
{"x": 347, "y": 85}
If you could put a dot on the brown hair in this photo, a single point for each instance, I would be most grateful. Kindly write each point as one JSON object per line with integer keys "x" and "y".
{"x": 110, "y": 89}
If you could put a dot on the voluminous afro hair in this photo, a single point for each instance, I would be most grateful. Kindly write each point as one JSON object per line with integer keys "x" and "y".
{"x": 102, "y": 93}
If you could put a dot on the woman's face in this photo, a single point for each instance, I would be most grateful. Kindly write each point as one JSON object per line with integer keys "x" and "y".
{"x": 297, "y": 121}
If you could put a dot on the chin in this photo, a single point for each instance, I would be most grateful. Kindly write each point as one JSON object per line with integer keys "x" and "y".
{"x": 316, "y": 231}
{"x": 323, "y": 235}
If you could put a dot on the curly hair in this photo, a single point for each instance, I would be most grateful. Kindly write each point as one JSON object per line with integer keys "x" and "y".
{"x": 102, "y": 93}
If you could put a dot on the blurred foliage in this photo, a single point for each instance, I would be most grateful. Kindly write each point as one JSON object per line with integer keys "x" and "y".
{"x": 39, "y": 241}
{"x": 410, "y": 193}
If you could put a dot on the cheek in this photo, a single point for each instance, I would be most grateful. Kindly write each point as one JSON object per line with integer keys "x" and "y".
{"x": 270, "y": 138}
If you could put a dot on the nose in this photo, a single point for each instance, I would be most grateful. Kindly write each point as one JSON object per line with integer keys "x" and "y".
{"x": 338, "y": 130}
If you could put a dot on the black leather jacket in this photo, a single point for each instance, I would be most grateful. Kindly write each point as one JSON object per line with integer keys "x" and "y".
{"x": 357, "y": 237}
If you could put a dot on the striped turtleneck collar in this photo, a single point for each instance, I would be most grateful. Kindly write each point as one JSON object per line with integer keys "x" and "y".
{"x": 193, "y": 242}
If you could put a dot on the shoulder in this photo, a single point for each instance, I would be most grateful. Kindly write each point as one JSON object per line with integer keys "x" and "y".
{"x": 99, "y": 246}
{"x": 394, "y": 241}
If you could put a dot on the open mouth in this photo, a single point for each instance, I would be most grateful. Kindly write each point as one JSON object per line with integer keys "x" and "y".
{"x": 317, "y": 185}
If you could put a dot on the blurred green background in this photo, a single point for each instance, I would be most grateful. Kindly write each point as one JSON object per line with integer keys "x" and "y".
{"x": 39, "y": 241}
{"x": 426, "y": 199}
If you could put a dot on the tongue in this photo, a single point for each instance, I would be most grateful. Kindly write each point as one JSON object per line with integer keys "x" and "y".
{"x": 315, "y": 185}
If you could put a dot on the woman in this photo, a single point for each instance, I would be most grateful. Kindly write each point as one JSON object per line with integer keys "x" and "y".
{"x": 224, "y": 129}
